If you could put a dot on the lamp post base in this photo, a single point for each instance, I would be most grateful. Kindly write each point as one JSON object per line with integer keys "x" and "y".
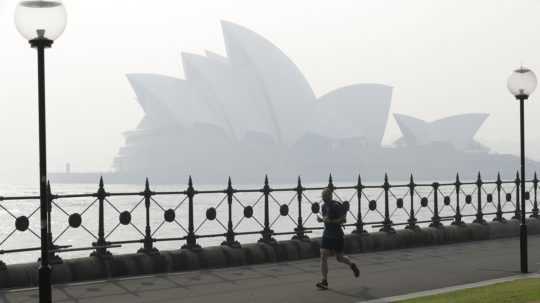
{"x": 523, "y": 247}
{"x": 45, "y": 292}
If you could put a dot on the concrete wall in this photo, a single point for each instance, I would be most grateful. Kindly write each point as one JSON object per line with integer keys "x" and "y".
{"x": 94, "y": 268}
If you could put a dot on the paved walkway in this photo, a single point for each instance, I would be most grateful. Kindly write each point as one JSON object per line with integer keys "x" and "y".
{"x": 383, "y": 274}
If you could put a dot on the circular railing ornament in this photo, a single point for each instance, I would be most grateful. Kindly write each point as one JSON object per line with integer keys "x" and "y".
{"x": 468, "y": 199}
{"x": 125, "y": 217}
{"x": 169, "y": 215}
{"x": 211, "y": 213}
{"x": 22, "y": 223}
{"x": 446, "y": 200}
{"x": 75, "y": 220}
{"x": 284, "y": 210}
{"x": 424, "y": 202}
{"x": 372, "y": 205}
{"x": 508, "y": 197}
{"x": 489, "y": 198}
{"x": 315, "y": 208}
{"x": 399, "y": 203}
{"x": 248, "y": 211}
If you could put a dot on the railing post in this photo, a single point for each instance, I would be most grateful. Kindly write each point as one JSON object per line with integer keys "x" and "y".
{"x": 267, "y": 232}
{"x": 479, "y": 214}
{"x": 517, "y": 212}
{"x": 412, "y": 219}
{"x": 499, "y": 216}
{"x": 435, "y": 220}
{"x": 2, "y": 264}
{"x": 53, "y": 258}
{"x": 148, "y": 247}
{"x": 359, "y": 221}
{"x": 191, "y": 238}
{"x": 457, "y": 216}
{"x": 230, "y": 241}
{"x": 387, "y": 223}
{"x": 100, "y": 250}
{"x": 535, "y": 188}
{"x": 300, "y": 235}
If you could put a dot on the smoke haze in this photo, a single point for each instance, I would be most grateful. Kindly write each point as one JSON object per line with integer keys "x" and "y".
{"x": 442, "y": 58}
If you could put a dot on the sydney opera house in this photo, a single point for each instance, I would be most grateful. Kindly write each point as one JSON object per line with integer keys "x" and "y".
{"x": 252, "y": 112}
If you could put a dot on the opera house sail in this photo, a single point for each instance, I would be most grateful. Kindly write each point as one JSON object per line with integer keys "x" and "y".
{"x": 458, "y": 131}
{"x": 252, "y": 112}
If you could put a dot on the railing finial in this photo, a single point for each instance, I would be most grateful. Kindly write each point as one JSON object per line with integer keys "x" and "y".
{"x": 266, "y": 180}
{"x": 101, "y": 185}
{"x": 479, "y": 179}
{"x": 147, "y": 185}
{"x": 190, "y": 181}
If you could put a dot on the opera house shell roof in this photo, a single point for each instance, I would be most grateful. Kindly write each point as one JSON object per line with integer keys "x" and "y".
{"x": 458, "y": 130}
{"x": 253, "y": 112}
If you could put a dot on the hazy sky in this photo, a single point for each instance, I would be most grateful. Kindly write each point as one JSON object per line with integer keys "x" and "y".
{"x": 441, "y": 57}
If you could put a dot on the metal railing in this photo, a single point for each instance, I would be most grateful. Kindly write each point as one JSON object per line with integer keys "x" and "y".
{"x": 268, "y": 212}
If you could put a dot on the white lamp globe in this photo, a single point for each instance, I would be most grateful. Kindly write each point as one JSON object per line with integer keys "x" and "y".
{"x": 522, "y": 82}
{"x": 40, "y": 19}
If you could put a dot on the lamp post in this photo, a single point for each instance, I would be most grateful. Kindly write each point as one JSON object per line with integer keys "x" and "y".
{"x": 522, "y": 83}
{"x": 41, "y": 22}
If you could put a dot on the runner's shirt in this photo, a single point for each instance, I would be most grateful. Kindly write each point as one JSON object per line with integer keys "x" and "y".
{"x": 333, "y": 210}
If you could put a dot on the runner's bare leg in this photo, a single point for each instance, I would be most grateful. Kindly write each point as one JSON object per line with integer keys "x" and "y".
{"x": 325, "y": 253}
{"x": 340, "y": 257}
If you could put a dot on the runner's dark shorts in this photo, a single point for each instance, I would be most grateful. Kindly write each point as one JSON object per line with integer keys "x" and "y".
{"x": 331, "y": 243}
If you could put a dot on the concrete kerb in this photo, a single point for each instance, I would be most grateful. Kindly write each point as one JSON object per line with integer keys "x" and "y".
{"x": 212, "y": 257}
{"x": 183, "y": 260}
{"x": 507, "y": 229}
{"x": 269, "y": 252}
{"x": 287, "y": 250}
{"x": 237, "y": 256}
{"x": 20, "y": 274}
{"x": 82, "y": 269}
{"x": 61, "y": 274}
{"x": 532, "y": 228}
{"x": 305, "y": 249}
{"x": 94, "y": 268}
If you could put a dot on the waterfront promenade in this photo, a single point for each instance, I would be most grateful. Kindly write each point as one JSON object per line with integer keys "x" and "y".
{"x": 383, "y": 274}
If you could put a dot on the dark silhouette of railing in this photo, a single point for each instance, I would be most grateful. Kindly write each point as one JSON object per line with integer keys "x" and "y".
{"x": 379, "y": 207}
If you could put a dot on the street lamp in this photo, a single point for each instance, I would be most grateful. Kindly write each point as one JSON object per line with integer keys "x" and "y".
{"x": 41, "y": 22}
{"x": 521, "y": 84}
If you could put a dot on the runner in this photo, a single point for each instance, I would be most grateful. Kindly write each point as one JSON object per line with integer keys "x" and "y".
{"x": 333, "y": 239}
